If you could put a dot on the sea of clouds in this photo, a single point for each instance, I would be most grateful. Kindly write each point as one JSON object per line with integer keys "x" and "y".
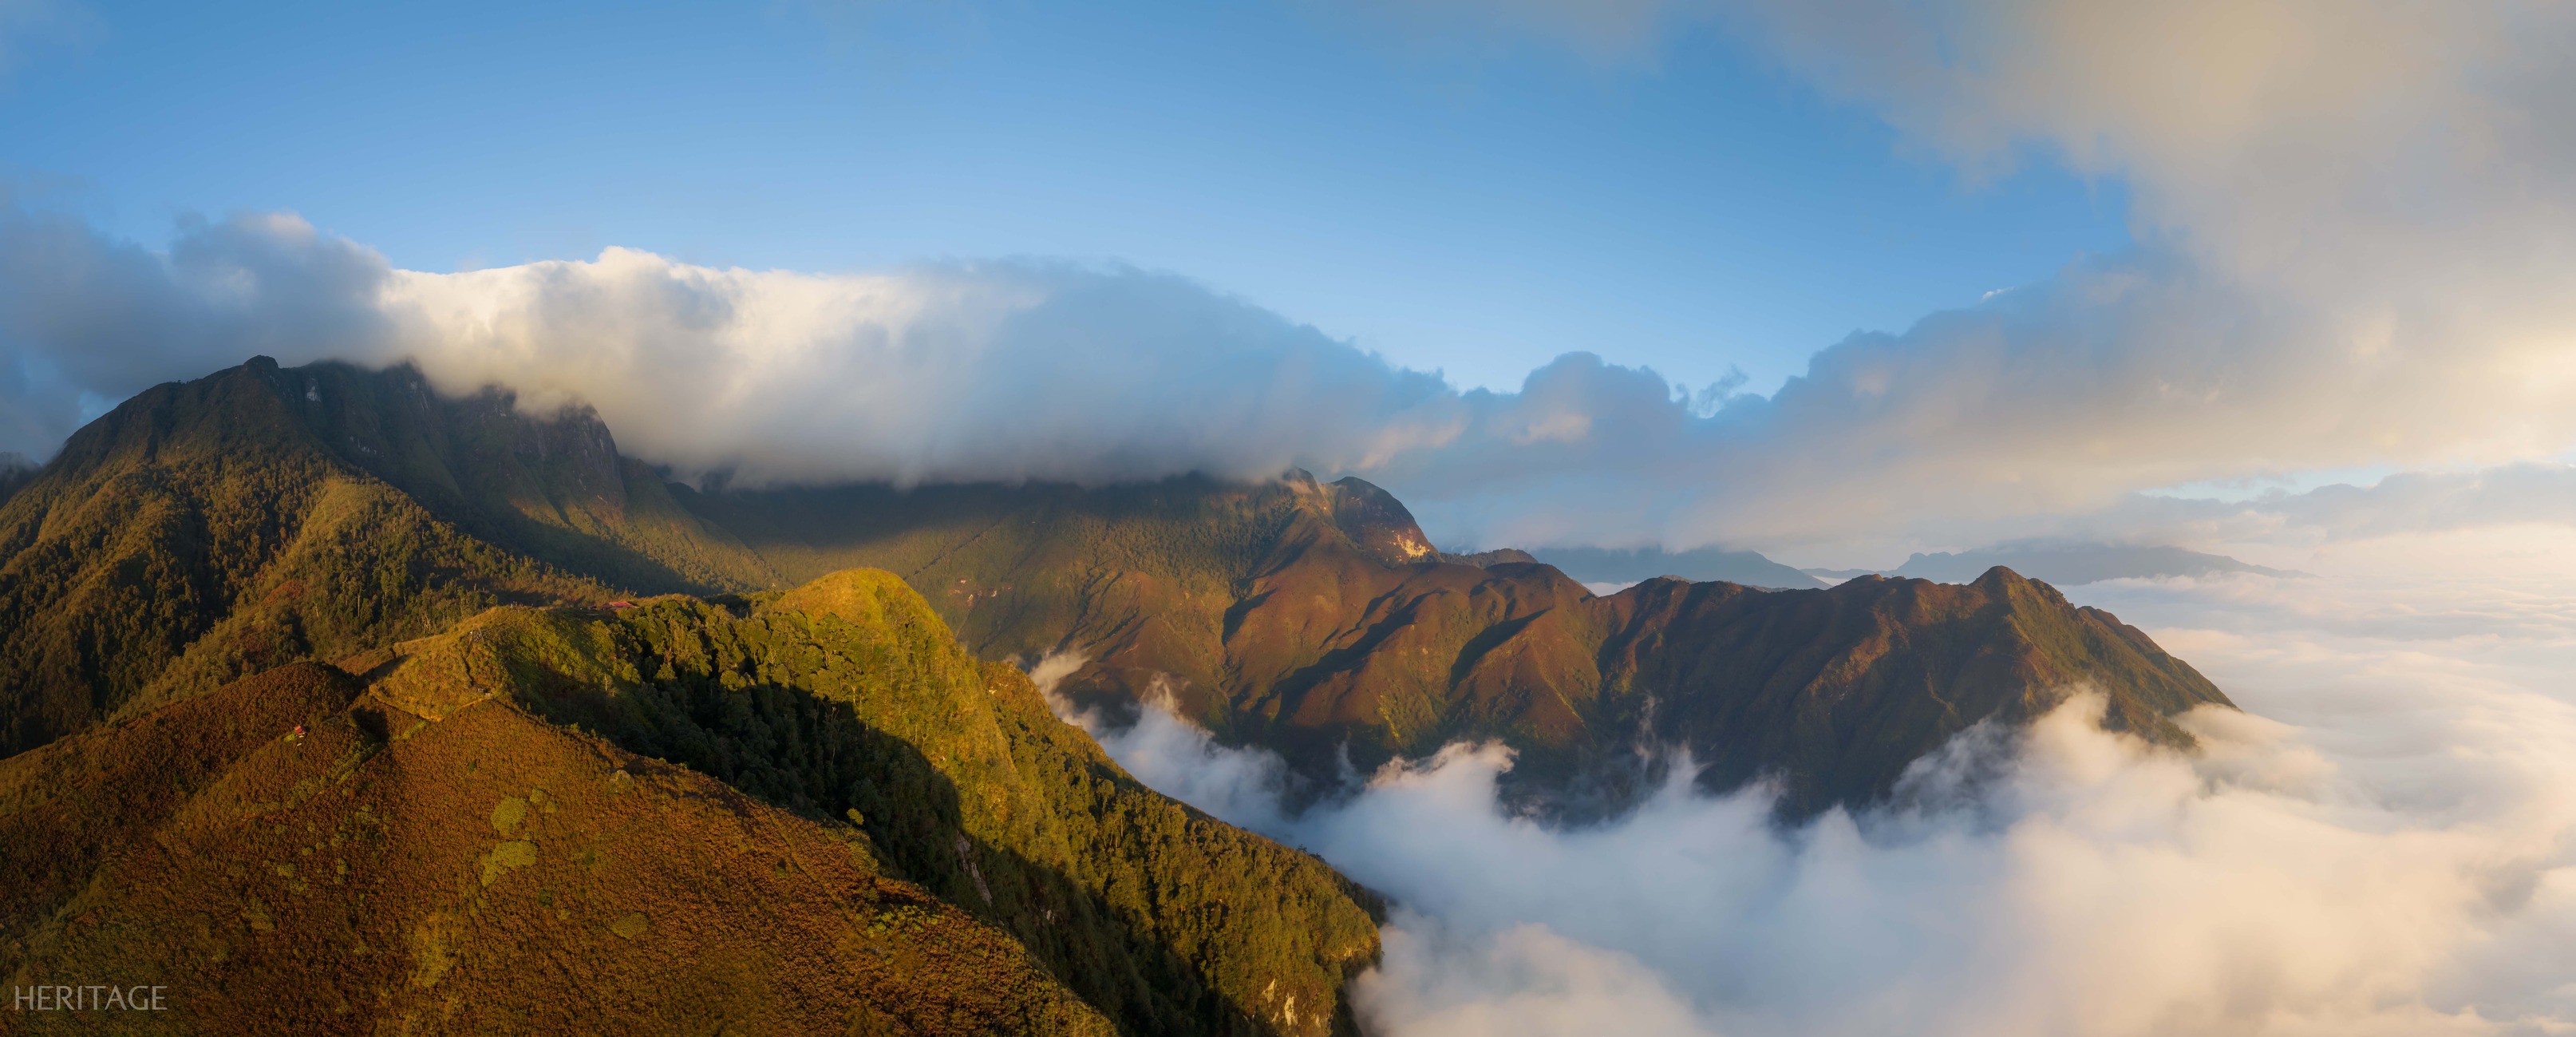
{"x": 2382, "y": 842}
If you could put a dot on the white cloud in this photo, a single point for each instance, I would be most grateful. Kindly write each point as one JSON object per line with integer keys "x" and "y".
{"x": 2330, "y": 527}
{"x": 1525, "y": 981}
{"x": 2044, "y": 403}
{"x": 2385, "y": 844}
{"x": 2343, "y": 148}
{"x": 993, "y": 371}
{"x": 85, "y": 318}
{"x": 2358, "y": 221}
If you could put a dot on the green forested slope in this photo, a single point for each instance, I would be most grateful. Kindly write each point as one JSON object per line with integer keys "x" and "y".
{"x": 859, "y": 828}
{"x": 200, "y": 531}
{"x": 848, "y": 695}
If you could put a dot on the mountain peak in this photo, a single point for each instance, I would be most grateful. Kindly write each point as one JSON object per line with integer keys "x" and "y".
{"x": 1378, "y": 523}
{"x": 2000, "y": 577}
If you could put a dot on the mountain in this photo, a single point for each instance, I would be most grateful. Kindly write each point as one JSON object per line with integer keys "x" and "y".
{"x": 1835, "y": 691}
{"x": 552, "y": 486}
{"x": 207, "y": 530}
{"x": 1497, "y": 556}
{"x": 797, "y": 811}
{"x": 1598, "y": 565}
{"x": 1308, "y": 617}
{"x": 2069, "y": 564}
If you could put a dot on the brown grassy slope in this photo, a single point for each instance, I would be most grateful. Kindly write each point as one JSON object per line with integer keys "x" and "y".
{"x": 485, "y": 872}
{"x": 1835, "y": 691}
{"x": 848, "y": 697}
{"x": 63, "y": 811}
{"x": 203, "y": 523}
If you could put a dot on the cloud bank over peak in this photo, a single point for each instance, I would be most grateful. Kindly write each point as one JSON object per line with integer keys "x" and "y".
{"x": 1005, "y": 371}
{"x": 2056, "y": 399}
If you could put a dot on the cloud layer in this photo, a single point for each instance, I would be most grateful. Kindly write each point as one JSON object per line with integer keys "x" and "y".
{"x": 2386, "y": 844}
{"x": 2356, "y": 219}
{"x": 2038, "y": 403}
{"x": 995, "y": 371}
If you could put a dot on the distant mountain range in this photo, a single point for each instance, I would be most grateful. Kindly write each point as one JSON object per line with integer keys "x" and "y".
{"x": 2069, "y": 564}
{"x": 536, "y": 644}
{"x": 1599, "y": 565}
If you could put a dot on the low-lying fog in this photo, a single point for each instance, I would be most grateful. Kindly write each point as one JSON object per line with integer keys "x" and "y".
{"x": 2384, "y": 842}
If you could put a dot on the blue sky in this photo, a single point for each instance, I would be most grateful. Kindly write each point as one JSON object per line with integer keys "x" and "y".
{"x": 1477, "y": 209}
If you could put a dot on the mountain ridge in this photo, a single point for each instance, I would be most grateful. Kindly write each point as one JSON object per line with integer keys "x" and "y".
{"x": 1634, "y": 565}
{"x": 2071, "y": 563}
{"x": 1307, "y": 617}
